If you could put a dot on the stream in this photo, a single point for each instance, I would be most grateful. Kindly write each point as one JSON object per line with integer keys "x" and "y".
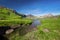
{"x": 35, "y": 23}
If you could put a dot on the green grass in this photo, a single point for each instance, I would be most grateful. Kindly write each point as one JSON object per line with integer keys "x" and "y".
{"x": 14, "y": 22}
{"x": 53, "y": 26}
{"x": 10, "y": 17}
{"x": 48, "y": 30}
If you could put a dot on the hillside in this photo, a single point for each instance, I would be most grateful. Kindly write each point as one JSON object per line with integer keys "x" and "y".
{"x": 9, "y": 17}
{"x": 6, "y": 13}
{"x": 10, "y": 21}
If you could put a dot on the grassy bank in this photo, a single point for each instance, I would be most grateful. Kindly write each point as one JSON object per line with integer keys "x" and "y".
{"x": 48, "y": 30}
{"x": 14, "y": 22}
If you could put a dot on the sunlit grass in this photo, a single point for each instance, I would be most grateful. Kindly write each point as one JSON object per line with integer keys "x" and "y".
{"x": 48, "y": 30}
{"x": 14, "y": 22}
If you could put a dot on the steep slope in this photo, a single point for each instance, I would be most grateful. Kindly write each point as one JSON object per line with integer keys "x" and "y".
{"x": 11, "y": 17}
{"x": 6, "y": 13}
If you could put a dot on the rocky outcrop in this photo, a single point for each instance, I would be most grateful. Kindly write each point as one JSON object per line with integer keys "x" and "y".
{"x": 46, "y": 16}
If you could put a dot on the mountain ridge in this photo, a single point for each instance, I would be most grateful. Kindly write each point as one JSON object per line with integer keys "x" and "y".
{"x": 6, "y": 13}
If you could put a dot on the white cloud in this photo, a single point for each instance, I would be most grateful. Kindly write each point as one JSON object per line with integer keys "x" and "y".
{"x": 37, "y": 12}
{"x": 33, "y": 12}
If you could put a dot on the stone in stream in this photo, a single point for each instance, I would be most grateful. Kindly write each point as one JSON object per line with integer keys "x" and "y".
{"x": 9, "y": 31}
{"x": 46, "y": 30}
{"x": 3, "y": 29}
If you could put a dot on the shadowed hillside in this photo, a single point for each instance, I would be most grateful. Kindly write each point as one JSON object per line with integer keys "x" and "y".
{"x": 6, "y": 13}
{"x": 10, "y": 20}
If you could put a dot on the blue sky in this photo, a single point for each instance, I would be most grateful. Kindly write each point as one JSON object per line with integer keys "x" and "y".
{"x": 34, "y": 7}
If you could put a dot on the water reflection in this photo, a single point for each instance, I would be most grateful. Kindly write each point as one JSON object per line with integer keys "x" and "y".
{"x": 35, "y": 23}
{"x": 26, "y": 29}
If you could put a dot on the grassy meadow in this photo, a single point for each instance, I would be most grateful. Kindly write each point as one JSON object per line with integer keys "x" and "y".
{"x": 15, "y": 22}
{"x": 48, "y": 30}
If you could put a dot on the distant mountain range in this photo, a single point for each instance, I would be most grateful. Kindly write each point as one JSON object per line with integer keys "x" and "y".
{"x": 49, "y": 15}
{"x": 44, "y": 16}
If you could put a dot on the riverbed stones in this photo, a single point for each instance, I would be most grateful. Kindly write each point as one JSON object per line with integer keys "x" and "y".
{"x": 46, "y": 30}
{"x": 9, "y": 31}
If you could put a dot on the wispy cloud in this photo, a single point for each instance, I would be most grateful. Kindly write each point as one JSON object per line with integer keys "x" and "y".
{"x": 38, "y": 12}
{"x": 33, "y": 12}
